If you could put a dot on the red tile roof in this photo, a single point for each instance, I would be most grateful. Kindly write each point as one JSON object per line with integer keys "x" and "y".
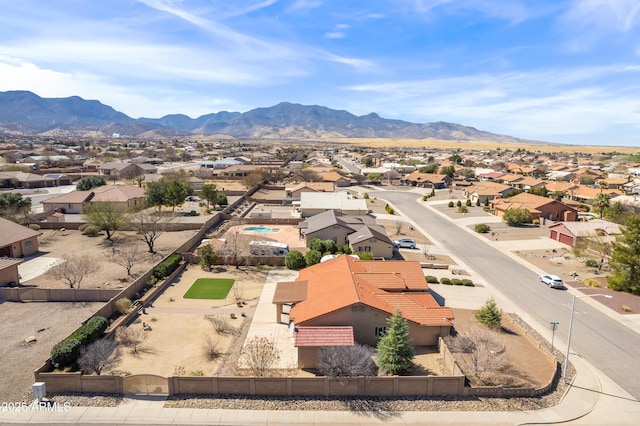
{"x": 323, "y": 336}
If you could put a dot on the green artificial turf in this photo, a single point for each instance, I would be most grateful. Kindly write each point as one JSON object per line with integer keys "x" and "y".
{"x": 209, "y": 288}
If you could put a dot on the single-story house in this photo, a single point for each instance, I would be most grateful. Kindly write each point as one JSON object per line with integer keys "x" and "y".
{"x": 312, "y": 203}
{"x": 427, "y": 180}
{"x": 539, "y": 207}
{"x": 359, "y": 231}
{"x": 32, "y": 180}
{"x": 123, "y": 196}
{"x": 570, "y": 233}
{"x": 9, "y": 274}
{"x": 335, "y": 178}
{"x": 293, "y": 193}
{"x": 363, "y": 294}
{"x": 487, "y": 191}
{"x": 17, "y": 241}
{"x": 122, "y": 170}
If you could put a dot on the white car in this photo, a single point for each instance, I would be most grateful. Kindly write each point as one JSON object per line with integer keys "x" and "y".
{"x": 405, "y": 243}
{"x": 553, "y": 281}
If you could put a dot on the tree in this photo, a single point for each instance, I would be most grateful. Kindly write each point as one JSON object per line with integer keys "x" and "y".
{"x": 209, "y": 193}
{"x": 448, "y": 170}
{"x": 207, "y": 257}
{"x": 131, "y": 337}
{"x": 317, "y": 244}
{"x": 625, "y": 259}
{"x": 100, "y": 355}
{"x": 235, "y": 246}
{"x": 374, "y": 177}
{"x": 127, "y": 256}
{"x": 72, "y": 269}
{"x": 480, "y": 352}
{"x": 12, "y": 205}
{"x": 221, "y": 199}
{"x": 294, "y": 260}
{"x": 489, "y": 314}
{"x": 395, "y": 351}
{"x": 601, "y": 202}
{"x": 260, "y": 355}
{"x": 516, "y": 217}
{"x": 149, "y": 226}
{"x": 176, "y": 193}
{"x": 89, "y": 182}
{"x": 155, "y": 194}
{"x": 307, "y": 175}
{"x": 106, "y": 216}
{"x": 254, "y": 178}
{"x": 346, "y": 361}
{"x": 429, "y": 168}
{"x": 367, "y": 161}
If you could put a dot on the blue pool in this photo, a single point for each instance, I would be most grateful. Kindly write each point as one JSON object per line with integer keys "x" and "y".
{"x": 260, "y": 229}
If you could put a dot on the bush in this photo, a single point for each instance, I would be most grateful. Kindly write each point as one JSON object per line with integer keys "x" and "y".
{"x": 489, "y": 315}
{"x": 65, "y": 353}
{"x": 478, "y": 202}
{"x": 591, "y": 263}
{"x": 366, "y": 196}
{"x": 123, "y": 305}
{"x": 431, "y": 279}
{"x": 91, "y": 331}
{"x": 592, "y": 282}
{"x": 445, "y": 281}
{"x": 365, "y": 255}
{"x": 451, "y": 204}
{"x": 424, "y": 198}
{"x": 82, "y": 227}
{"x": 167, "y": 266}
{"x": 312, "y": 257}
{"x": 482, "y": 228}
{"x": 459, "y": 203}
{"x": 516, "y": 217}
{"x": 467, "y": 283}
{"x": 462, "y": 209}
{"x": 468, "y": 203}
{"x": 91, "y": 231}
{"x": 456, "y": 281}
{"x": 389, "y": 209}
{"x": 294, "y": 260}
{"x": 346, "y": 361}
{"x": 193, "y": 213}
{"x": 34, "y": 227}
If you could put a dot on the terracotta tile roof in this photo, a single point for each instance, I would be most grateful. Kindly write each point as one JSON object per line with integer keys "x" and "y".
{"x": 355, "y": 281}
{"x": 523, "y": 200}
{"x": 323, "y": 336}
{"x": 290, "y": 292}
{"x": 489, "y": 188}
{"x": 555, "y": 186}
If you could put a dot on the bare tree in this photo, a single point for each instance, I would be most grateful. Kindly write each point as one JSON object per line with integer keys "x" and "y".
{"x": 127, "y": 256}
{"x": 238, "y": 291}
{"x": 131, "y": 337}
{"x": 480, "y": 352}
{"x": 100, "y": 355}
{"x": 211, "y": 348}
{"x": 399, "y": 225}
{"x": 307, "y": 175}
{"x": 346, "y": 361}
{"x": 234, "y": 245}
{"x": 106, "y": 216}
{"x": 149, "y": 226}
{"x": 259, "y": 355}
{"x": 72, "y": 269}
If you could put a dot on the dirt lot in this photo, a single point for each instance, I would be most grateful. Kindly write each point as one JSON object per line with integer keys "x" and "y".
{"x": 55, "y": 243}
{"x": 48, "y": 323}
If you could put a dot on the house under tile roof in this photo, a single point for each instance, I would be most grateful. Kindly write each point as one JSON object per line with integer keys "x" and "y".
{"x": 323, "y": 336}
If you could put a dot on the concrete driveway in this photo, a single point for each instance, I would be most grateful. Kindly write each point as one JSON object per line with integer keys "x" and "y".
{"x": 35, "y": 267}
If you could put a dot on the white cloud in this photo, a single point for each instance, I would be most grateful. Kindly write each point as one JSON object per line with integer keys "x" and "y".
{"x": 334, "y": 35}
{"x": 617, "y": 15}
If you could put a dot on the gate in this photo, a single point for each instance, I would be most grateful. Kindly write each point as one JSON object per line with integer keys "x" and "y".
{"x": 146, "y": 384}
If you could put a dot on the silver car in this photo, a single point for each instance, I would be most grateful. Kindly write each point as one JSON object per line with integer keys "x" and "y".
{"x": 405, "y": 243}
{"x": 553, "y": 281}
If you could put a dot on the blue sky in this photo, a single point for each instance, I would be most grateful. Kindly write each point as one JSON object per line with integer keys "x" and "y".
{"x": 555, "y": 70}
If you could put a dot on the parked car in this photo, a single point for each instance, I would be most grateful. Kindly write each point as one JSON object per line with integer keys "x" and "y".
{"x": 405, "y": 243}
{"x": 553, "y": 281}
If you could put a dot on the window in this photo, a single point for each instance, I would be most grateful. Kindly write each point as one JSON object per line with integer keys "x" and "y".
{"x": 380, "y": 331}
{"x": 28, "y": 244}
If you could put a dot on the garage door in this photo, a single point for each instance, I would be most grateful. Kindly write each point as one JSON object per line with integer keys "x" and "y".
{"x": 554, "y": 235}
{"x": 566, "y": 239}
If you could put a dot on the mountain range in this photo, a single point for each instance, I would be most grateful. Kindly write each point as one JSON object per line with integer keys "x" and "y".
{"x": 25, "y": 113}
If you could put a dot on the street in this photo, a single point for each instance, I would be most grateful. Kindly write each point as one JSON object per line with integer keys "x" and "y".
{"x": 608, "y": 345}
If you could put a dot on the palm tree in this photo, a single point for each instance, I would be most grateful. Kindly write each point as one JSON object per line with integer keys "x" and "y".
{"x": 601, "y": 202}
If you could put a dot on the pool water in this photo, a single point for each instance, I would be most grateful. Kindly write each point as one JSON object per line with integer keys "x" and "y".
{"x": 260, "y": 229}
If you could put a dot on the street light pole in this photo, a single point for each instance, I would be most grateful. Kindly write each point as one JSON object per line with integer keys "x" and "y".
{"x": 554, "y": 325}
{"x": 573, "y": 305}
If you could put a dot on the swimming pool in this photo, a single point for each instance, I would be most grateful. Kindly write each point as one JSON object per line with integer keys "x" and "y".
{"x": 260, "y": 229}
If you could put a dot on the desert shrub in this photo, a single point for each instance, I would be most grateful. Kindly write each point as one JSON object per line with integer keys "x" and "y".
{"x": 445, "y": 281}
{"x": 482, "y": 228}
{"x": 467, "y": 282}
{"x": 131, "y": 337}
{"x": 625, "y": 308}
{"x": 431, "y": 279}
{"x": 458, "y": 203}
{"x": 211, "y": 348}
{"x": 346, "y": 361}
{"x": 462, "y": 209}
{"x": 467, "y": 203}
{"x": 312, "y": 257}
{"x": 591, "y": 282}
{"x": 456, "y": 281}
{"x": 451, "y": 204}
{"x": 591, "y": 263}
{"x": 366, "y": 196}
{"x": 167, "y": 266}
{"x": 294, "y": 260}
{"x": 535, "y": 221}
{"x": 516, "y": 217}
{"x": 389, "y": 209}
{"x": 34, "y": 226}
{"x": 123, "y": 305}
{"x": 193, "y": 213}
{"x": 65, "y": 353}
{"x": 91, "y": 231}
{"x": 260, "y": 354}
{"x": 82, "y": 227}
{"x": 196, "y": 373}
{"x": 489, "y": 314}
{"x": 424, "y": 198}
{"x": 365, "y": 255}
{"x": 91, "y": 331}
{"x": 478, "y": 202}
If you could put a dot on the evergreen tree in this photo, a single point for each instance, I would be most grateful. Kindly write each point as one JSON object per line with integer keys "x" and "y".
{"x": 395, "y": 351}
{"x": 625, "y": 260}
{"x": 490, "y": 315}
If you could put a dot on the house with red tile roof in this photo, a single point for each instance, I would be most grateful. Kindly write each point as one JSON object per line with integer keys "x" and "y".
{"x": 539, "y": 207}
{"x": 348, "y": 292}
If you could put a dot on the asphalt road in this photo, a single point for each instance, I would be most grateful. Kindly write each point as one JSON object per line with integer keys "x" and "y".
{"x": 610, "y": 346}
